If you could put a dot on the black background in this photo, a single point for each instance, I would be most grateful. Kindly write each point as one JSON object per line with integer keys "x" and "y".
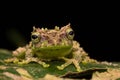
{"x": 95, "y": 25}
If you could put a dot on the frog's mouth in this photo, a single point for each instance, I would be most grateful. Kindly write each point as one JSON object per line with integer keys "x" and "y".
{"x": 52, "y": 51}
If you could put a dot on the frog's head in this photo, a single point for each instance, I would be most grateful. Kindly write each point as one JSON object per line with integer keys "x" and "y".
{"x": 53, "y": 41}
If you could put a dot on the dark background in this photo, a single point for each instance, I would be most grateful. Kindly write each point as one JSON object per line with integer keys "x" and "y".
{"x": 95, "y": 26}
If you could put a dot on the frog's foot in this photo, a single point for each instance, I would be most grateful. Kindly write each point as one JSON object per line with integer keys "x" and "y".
{"x": 88, "y": 60}
{"x": 68, "y": 62}
{"x": 43, "y": 64}
{"x": 34, "y": 60}
{"x": 14, "y": 60}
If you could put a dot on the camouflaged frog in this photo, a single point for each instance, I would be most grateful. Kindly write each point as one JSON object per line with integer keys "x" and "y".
{"x": 51, "y": 44}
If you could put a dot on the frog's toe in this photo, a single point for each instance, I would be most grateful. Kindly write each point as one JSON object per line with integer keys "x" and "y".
{"x": 60, "y": 67}
{"x": 79, "y": 70}
{"x": 16, "y": 61}
{"x": 46, "y": 65}
{"x": 8, "y": 60}
{"x": 23, "y": 62}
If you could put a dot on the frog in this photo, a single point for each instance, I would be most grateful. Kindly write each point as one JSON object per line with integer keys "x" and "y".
{"x": 49, "y": 45}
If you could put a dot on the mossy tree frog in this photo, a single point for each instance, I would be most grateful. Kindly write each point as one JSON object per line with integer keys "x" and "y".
{"x": 51, "y": 44}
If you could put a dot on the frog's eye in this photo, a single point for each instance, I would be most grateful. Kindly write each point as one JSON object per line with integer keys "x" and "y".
{"x": 70, "y": 33}
{"x": 35, "y": 37}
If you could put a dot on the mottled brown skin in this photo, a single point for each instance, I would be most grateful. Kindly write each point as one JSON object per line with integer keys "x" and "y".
{"x": 52, "y": 44}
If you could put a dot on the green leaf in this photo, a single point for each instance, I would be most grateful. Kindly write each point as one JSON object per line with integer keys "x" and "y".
{"x": 10, "y": 71}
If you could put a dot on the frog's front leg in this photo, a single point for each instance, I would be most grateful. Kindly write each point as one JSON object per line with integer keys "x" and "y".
{"x": 24, "y": 55}
{"x": 33, "y": 59}
{"x": 18, "y": 55}
{"x": 29, "y": 57}
{"x": 68, "y": 62}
